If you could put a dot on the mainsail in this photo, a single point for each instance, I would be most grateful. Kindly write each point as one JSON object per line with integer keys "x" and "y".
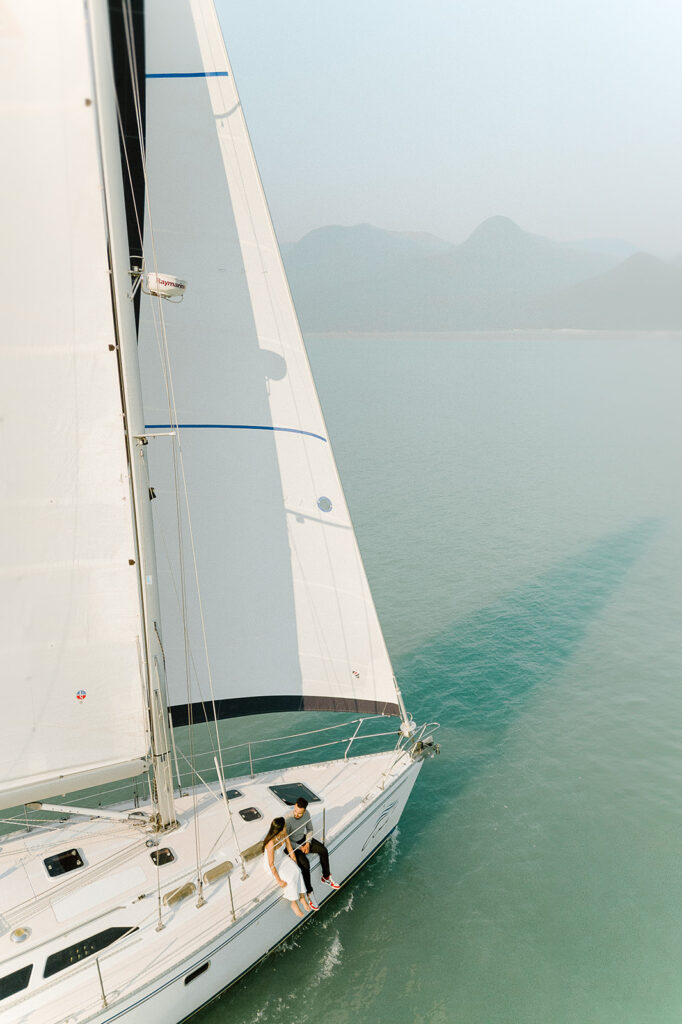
{"x": 284, "y": 616}
{"x": 74, "y": 710}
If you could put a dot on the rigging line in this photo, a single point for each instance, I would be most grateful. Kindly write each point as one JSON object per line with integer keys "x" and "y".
{"x": 132, "y": 64}
{"x": 220, "y": 836}
{"x": 177, "y": 448}
{"x": 193, "y": 771}
{"x": 160, "y": 532}
{"x": 126, "y": 11}
{"x": 167, "y": 371}
{"x": 130, "y": 173}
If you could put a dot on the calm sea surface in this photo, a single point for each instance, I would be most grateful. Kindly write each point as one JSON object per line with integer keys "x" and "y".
{"x": 519, "y": 508}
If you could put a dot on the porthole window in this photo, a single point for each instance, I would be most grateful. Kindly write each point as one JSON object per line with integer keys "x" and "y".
{"x": 60, "y": 863}
{"x": 250, "y": 814}
{"x": 195, "y": 974}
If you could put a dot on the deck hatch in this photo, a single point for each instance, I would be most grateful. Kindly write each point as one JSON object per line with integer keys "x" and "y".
{"x": 162, "y": 856}
{"x": 291, "y": 791}
{"x": 80, "y": 950}
{"x": 234, "y": 794}
{"x": 250, "y": 814}
{"x": 15, "y": 982}
{"x": 60, "y": 863}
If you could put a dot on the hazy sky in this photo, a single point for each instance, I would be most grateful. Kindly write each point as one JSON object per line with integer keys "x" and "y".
{"x": 564, "y": 115}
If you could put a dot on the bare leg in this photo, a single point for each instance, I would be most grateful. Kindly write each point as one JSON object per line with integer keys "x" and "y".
{"x": 304, "y": 901}
{"x": 296, "y": 909}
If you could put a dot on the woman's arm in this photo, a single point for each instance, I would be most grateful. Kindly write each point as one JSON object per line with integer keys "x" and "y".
{"x": 271, "y": 861}
{"x": 289, "y": 846}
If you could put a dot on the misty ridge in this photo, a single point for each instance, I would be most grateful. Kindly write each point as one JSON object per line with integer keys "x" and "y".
{"x": 363, "y": 278}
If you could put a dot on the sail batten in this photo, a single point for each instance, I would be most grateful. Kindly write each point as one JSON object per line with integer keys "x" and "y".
{"x": 284, "y": 604}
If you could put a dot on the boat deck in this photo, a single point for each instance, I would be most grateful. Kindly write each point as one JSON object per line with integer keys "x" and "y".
{"x": 119, "y": 885}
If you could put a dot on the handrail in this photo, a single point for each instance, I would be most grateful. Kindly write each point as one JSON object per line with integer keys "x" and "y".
{"x": 193, "y": 771}
{"x": 349, "y": 740}
{"x": 309, "y": 732}
{"x": 298, "y": 750}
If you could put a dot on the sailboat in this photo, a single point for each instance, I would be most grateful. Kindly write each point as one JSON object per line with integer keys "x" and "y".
{"x": 176, "y": 547}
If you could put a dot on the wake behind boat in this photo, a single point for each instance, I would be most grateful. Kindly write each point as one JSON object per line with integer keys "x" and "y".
{"x": 158, "y": 400}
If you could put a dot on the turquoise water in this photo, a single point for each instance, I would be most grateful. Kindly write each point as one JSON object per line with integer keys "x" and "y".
{"x": 519, "y": 507}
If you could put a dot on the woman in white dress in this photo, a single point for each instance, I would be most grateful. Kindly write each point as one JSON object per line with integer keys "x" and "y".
{"x": 283, "y": 868}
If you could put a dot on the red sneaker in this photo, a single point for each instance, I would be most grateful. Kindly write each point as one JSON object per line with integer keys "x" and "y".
{"x": 312, "y": 904}
{"x": 330, "y": 881}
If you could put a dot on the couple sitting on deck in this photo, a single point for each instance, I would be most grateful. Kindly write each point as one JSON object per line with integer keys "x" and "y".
{"x": 294, "y": 835}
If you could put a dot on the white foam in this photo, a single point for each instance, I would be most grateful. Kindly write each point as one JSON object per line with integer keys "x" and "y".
{"x": 330, "y": 960}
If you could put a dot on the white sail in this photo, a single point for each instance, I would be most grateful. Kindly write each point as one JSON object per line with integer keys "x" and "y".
{"x": 289, "y": 620}
{"x": 73, "y": 707}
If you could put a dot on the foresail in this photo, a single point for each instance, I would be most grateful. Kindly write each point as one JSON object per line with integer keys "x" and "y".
{"x": 73, "y": 709}
{"x": 288, "y": 619}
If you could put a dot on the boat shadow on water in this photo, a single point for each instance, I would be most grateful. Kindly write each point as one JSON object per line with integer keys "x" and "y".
{"x": 483, "y": 672}
{"x": 480, "y": 674}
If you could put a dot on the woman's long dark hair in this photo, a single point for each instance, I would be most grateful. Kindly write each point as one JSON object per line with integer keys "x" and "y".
{"x": 274, "y": 830}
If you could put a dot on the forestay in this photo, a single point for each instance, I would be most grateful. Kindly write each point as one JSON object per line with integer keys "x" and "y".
{"x": 73, "y": 709}
{"x": 288, "y": 616}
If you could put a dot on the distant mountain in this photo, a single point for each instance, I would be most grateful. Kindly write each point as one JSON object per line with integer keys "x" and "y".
{"x": 643, "y": 293}
{"x": 615, "y": 248}
{"x": 363, "y": 278}
{"x": 342, "y": 277}
{"x": 364, "y": 245}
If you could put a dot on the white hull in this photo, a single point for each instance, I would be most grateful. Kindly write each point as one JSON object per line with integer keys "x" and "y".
{"x": 145, "y": 975}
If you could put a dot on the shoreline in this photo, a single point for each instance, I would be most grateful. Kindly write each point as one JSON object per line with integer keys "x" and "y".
{"x": 500, "y": 335}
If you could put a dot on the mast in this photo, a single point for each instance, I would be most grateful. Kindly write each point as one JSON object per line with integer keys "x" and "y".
{"x": 131, "y": 393}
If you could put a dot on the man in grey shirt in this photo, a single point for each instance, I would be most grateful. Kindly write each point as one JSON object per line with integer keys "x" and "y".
{"x": 300, "y": 831}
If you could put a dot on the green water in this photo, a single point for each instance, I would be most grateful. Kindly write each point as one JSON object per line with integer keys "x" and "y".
{"x": 519, "y": 507}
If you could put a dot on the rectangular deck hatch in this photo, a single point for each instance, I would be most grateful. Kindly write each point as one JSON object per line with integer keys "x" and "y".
{"x": 60, "y": 863}
{"x": 291, "y": 791}
{"x": 250, "y": 813}
{"x": 162, "y": 856}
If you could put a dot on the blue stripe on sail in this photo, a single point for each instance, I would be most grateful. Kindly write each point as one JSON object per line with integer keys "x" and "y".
{"x": 230, "y": 426}
{"x": 191, "y": 74}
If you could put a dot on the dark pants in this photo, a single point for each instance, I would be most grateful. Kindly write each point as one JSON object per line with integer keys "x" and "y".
{"x": 304, "y": 863}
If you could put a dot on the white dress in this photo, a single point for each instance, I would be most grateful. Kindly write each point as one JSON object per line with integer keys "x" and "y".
{"x": 288, "y": 870}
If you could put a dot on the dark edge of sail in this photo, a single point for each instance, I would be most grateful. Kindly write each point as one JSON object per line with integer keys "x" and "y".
{"x": 133, "y": 179}
{"x": 237, "y": 707}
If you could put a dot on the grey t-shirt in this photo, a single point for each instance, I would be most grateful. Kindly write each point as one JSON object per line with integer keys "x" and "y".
{"x": 299, "y": 830}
